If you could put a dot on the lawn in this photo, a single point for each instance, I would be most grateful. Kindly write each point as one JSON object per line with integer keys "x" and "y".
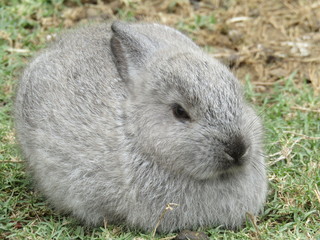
{"x": 283, "y": 83}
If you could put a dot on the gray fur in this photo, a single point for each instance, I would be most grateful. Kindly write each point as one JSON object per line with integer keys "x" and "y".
{"x": 95, "y": 122}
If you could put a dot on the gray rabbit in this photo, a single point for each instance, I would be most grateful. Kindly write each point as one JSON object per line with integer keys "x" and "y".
{"x": 118, "y": 120}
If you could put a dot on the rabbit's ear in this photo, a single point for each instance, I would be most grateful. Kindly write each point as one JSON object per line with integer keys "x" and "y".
{"x": 130, "y": 48}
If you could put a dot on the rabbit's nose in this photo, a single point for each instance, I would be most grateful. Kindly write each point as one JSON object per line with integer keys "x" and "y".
{"x": 237, "y": 150}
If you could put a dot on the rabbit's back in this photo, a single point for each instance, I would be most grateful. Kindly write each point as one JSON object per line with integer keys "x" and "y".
{"x": 68, "y": 114}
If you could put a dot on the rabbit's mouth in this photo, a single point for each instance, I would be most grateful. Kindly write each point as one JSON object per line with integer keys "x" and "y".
{"x": 234, "y": 163}
{"x": 231, "y": 167}
{"x": 226, "y": 166}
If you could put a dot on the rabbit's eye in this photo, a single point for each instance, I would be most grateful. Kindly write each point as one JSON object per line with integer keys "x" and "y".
{"x": 179, "y": 112}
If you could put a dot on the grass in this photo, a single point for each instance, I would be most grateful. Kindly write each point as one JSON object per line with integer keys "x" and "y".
{"x": 292, "y": 122}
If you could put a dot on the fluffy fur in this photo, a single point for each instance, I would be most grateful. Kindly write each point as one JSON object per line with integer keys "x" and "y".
{"x": 95, "y": 121}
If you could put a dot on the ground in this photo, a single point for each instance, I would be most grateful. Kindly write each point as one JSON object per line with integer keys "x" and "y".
{"x": 273, "y": 47}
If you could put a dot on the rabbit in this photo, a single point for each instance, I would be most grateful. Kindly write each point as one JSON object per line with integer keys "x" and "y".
{"x": 118, "y": 120}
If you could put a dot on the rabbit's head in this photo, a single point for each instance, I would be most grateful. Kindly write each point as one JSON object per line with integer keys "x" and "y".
{"x": 185, "y": 110}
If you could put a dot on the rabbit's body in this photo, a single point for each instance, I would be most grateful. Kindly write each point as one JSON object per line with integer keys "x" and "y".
{"x": 100, "y": 124}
